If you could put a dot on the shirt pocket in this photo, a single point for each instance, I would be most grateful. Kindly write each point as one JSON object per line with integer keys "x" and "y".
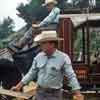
{"x": 53, "y": 70}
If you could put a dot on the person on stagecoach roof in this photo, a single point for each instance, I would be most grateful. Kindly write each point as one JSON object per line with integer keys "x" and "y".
{"x": 49, "y": 22}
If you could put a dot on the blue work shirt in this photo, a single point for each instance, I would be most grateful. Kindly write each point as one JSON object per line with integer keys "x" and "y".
{"x": 51, "y": 70}
{"x": 53, "y": 17}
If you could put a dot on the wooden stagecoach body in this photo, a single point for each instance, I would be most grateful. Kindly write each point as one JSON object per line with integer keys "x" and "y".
{"x": 84, "y": 23}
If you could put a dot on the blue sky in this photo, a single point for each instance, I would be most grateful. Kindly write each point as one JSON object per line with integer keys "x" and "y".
{"x": 8, "y": 8}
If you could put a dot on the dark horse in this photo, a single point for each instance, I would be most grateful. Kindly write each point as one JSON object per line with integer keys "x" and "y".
{"x": 11, "y": 72}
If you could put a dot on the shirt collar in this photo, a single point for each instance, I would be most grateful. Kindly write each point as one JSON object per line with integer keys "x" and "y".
{"x": 54, "y": 54}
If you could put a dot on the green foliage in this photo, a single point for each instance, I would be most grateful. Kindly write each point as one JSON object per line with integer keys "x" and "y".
{"x": 28, "y": 11}
{"x": 78, "y": 42}
{"x": 1, "y": 44}
{"x": 94, "y": 41}
{"x": 6, "y": 28}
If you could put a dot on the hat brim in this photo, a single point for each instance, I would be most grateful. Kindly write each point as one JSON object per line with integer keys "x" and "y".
{"x": 48, "y": 39}
{"x": 45, "y": 4}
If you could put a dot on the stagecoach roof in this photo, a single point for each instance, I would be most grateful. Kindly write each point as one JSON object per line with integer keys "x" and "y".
{"x": 78, "y": 19}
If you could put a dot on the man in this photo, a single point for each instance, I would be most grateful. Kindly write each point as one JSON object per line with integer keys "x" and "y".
{"x": 51, "y": 22}
{"x": 49, "y": 67}
{"x": 53, "y": 17}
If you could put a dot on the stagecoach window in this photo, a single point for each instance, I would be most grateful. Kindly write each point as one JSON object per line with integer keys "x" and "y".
{"x": 86, "y": 46}
{"x": 78, "y": 46}
{"x": 94, "y": 44}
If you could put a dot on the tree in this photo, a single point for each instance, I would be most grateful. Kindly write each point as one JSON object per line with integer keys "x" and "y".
{"x": 30, "y": 12}
{"x": 6, "y": 27}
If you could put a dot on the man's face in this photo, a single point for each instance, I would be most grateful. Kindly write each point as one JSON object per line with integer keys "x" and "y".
{"x": 50, "y": 6}
{"x": 46, "y": 46}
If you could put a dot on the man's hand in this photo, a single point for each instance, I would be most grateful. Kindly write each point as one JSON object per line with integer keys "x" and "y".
{"x": 78, "y": 97}
{"x": 35, "y": 25}
{"x": 18, "y": 87}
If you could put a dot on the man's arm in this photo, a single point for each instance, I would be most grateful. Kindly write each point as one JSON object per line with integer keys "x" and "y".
{"x": 28, "y": 77}
{"x": 31, "y": 75}
{"x": 70, "y": 74}
{"x": 51, "y": 17}
{"x": 73, "y": 82}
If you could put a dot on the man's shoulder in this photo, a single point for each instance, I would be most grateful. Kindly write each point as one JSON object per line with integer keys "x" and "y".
{"x": 63, "y": 54}
{"x": 57, "y": 9}
{"x": 40, "y": 54}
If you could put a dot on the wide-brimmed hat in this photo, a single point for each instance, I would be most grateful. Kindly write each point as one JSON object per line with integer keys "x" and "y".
{"x": 49, "y": 1}
{"x": 47, "y": 36}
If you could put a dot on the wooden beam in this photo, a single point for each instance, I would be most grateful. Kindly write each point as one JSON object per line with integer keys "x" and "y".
{"x": 14, "y": 94}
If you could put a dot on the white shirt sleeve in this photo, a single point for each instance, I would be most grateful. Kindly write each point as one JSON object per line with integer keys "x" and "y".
{"x": 51, "y": 17}
{"x": 31, "y": 74}
{"x": 70, "y": 74}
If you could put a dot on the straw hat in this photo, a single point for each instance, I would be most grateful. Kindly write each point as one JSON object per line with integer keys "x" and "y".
{"x": 49, "y": 1}
{"x": 47, "y": 36}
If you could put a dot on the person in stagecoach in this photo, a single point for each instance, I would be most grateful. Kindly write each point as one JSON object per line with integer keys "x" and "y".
{"x": 49, "y": 22}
